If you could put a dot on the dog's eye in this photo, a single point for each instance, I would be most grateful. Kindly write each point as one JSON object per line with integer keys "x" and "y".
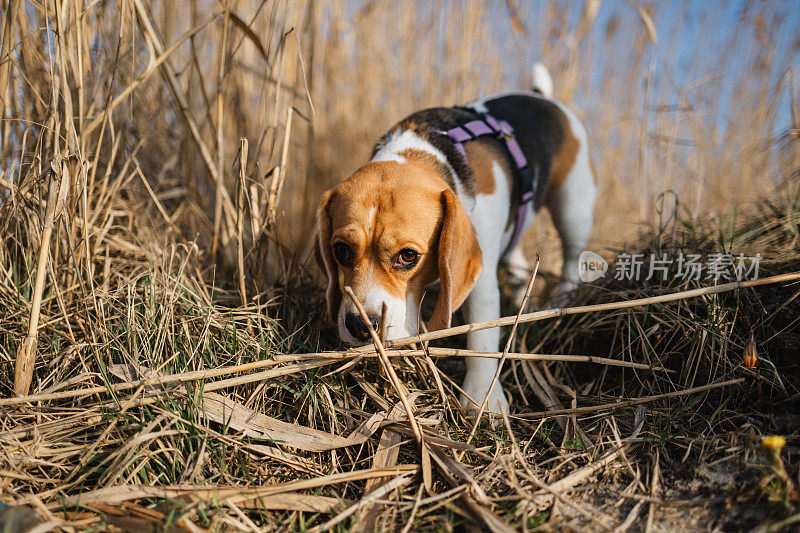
{"x": 406, "y": 259}
{"x": 343, "y": 254}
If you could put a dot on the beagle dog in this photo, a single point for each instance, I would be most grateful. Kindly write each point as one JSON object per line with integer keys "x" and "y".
{"x": 445, "y": 197}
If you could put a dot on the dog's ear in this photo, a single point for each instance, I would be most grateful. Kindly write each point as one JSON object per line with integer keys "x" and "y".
{"x": 460, "y": 261}
{"x": 324, "y": 255}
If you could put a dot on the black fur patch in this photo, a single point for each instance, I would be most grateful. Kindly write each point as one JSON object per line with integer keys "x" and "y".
{"x": 426, "y": 124}
{"x": 538, "y": 124}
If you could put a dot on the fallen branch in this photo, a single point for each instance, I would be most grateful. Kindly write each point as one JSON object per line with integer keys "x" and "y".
{"x": 307, "y": 361}
{"x": 369, "y": 350}
{"x": 562, "y": 311}
{"x": 323, "y": 358}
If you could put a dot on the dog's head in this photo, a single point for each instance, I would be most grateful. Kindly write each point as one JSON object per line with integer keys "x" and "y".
{"x": 387, "y": 232}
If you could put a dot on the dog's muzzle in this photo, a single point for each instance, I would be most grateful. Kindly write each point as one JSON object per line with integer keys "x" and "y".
{"x": 356, "y": 326}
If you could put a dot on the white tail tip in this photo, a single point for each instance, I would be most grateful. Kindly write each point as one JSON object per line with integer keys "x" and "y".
{"x": 542, "y": 82}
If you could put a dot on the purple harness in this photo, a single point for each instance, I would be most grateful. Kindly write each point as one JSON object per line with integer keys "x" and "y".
{"x": 488, "y": 125}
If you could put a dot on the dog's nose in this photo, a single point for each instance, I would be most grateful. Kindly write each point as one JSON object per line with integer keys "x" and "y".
{"x": 356, "y": 326}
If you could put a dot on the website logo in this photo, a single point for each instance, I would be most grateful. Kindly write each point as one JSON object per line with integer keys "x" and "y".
{"x": 591, "y": 267}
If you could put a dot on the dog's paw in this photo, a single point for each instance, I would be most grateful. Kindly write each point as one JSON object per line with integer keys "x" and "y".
{"x": 564, "y": 295}
{"x": 496, "y": 404}
{"x": 565, "y": 288}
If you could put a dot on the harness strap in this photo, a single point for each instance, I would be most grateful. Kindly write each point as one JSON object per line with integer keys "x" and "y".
{"x": 488, "y": 125}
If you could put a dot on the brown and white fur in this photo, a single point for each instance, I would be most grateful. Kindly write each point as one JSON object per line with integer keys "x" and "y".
{"x": 417, "y": 196}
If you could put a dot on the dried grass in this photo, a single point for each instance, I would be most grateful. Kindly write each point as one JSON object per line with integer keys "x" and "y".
{"x": 158, "y": 171}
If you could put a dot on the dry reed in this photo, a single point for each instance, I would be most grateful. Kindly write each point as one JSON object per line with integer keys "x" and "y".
{"x": 148, "y": 259}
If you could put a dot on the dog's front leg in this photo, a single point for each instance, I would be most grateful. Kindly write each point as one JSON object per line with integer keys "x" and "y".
{"x": 482, "y": 304}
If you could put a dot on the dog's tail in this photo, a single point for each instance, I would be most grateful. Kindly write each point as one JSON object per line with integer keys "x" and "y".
{"x": 542, "y": 82}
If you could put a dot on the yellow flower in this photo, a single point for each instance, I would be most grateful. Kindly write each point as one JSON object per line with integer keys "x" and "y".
{"x": 773, "y": 445}
{"x": 774, "y": 442}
